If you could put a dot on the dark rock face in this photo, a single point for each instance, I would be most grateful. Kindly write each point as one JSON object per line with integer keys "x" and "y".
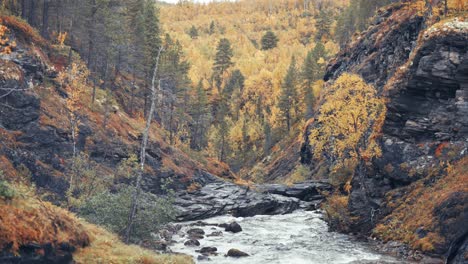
{"x": 433, "y": 105}
{"x": 29, "y": 254}
{"x": 424, "y": 75}
{"x": 235, "y": 253}
{"x": 381, "y": 49}
{"x": 221, "y": 197}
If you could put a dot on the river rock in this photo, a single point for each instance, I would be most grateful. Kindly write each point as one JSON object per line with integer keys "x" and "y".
{"x": 236, "y": 253}
{"x": 192, "y": 243}
{"x": 233, "y": 227}
{"x": 220, "y": 197}
{"x": 196, "y": 233}
{"x": 215, "y": 233}
{"x": 208, "y": 250}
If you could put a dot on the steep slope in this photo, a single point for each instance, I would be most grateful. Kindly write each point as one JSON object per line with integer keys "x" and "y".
{"x": 425, "y": 130}
{"x": 416, "y": 192}
{"x": 36, "y": 131}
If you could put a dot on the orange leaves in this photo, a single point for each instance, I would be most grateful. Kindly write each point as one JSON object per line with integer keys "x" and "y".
{"x": 6, "y": 46}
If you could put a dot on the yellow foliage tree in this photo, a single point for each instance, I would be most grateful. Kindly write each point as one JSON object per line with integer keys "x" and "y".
{"x": 73, "y": 80}
{"x": 348, "y": 123}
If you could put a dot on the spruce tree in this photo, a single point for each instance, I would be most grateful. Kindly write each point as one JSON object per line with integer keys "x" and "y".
{"x": 288, "y": 97}
{"x": 222, "y": 60}
{"x": 269, "y": 40}
{"x": 212, "y": 28}
{"x": 193, "y": 32}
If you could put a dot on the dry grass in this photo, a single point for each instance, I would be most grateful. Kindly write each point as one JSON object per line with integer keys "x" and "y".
{"x": 26, "y": 31}
{"x": 416, "y": 209}
{"x": 26, "y": 220}
{"x": 106, "y": 248}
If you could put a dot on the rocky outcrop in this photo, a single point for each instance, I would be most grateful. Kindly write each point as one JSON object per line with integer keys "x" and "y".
{"x": 377, "y": 53}
{"x": 422, "y": 70}
{"x": 30, "y": 254}
{"x": 306, "y": 191}
{"x": 220, "y": 198}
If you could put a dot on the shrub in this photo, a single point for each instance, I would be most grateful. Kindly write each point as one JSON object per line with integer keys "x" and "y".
{"x": 6, "y": 192}
{"x": 336, "y": 212}
{"x": 300, "y": 174}
{"x": 111, "y": 211}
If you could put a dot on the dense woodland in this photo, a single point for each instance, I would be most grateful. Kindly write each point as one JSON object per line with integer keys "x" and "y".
{"x": 236, "y": 77}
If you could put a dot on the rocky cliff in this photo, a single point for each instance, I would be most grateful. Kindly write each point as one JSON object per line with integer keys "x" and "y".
{"x": 421, "y": 68}
{"x": 416, "y": 193}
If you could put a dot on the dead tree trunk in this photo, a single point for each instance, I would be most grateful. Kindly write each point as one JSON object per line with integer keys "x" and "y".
{"x": 136, "y": 194}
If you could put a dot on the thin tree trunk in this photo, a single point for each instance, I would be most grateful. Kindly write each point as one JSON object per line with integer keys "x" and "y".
{"x": 32, "y": 12}
{"x": 136, "y": 194}
{"x": 45, "y": 18}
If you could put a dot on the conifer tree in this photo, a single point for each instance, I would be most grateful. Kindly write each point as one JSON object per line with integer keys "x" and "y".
{"x": 288, "y": 97}
{"x": 269, "y": 40}
{"x": 193, "y": 32}
{"x": 212, "y": 28}
{"x": 199, "y": 112}
{"x": 222, "y": 61}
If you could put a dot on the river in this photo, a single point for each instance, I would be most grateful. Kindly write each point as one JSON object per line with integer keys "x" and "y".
{"x": 297, "y": 238}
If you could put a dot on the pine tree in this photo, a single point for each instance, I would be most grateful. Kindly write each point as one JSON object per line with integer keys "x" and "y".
{"x": 324, "y": 23}
{"x": 212, "y": 28}
{"x": 235, "y": 81}
{"x": 288, "y": 97}
{"x": 199, "y": 112}
{"x": 193, "y": 32}
{"x": 222, "y": 61}
{"x": 309, "y": 68}
{"x": 269, "y": 40}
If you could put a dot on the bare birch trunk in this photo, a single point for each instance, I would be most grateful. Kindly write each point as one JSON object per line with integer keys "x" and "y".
{"x": 136, "y": 194}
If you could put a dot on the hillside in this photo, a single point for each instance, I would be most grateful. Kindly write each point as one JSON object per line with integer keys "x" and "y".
{"x": 255, "y": 121}
{"x": 412, "y": 189}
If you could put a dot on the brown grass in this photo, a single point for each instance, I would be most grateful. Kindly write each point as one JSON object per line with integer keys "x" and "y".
{"x": 29, "y": 220}
{"x": 26, "y": 31}
{"x": 107, "y": 248}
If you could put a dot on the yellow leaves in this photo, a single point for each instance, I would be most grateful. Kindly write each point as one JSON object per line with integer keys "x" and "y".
{"x": 61, "y": 37}
{"x": 346, "y": 122}
{"x": 74, "y": 82}
{"x": 6, "y": 46}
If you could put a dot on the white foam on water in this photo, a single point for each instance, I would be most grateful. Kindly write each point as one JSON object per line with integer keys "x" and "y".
{"x": 298, "y": 238}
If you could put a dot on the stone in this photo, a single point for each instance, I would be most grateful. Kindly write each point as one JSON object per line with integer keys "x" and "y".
{"x": 192, "y": 243}
{"x": 236, "y": 253}
{"x": 207, "y": 250}
{"x": 233, "y": 227}
{"x": 215, "y": 233}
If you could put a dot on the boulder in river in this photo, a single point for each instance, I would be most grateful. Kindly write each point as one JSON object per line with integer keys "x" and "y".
{"x": 207, "y": 250}
{"x": 215, "y": 233}
{"x": 235, "y": 253}
{"x": 233, "y": 227}
{"x": 192, "y": 243}
{"x": 196, "y": 233}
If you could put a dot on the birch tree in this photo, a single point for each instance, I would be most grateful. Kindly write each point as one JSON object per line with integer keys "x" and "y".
{"x": 149, "y": 118}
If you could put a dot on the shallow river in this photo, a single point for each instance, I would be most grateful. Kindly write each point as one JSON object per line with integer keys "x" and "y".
{"x": 297, "y": 238}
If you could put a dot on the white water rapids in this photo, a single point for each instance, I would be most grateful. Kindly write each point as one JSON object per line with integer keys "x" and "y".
{"x": 298, "y": 238}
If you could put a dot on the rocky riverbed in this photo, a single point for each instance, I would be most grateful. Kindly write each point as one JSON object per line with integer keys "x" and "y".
{"x": 298, "y": 237}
